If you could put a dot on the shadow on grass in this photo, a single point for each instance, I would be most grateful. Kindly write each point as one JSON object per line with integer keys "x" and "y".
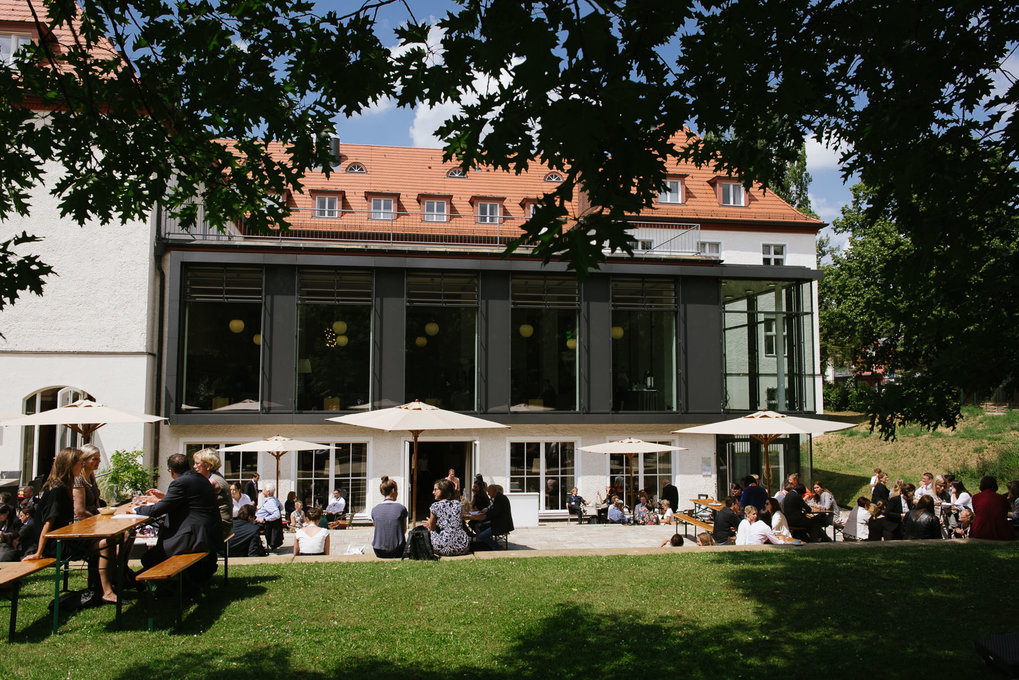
{"x": 841, "y": 485}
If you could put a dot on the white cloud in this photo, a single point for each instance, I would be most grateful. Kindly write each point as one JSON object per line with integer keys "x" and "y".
{"x": 824, "y": 156}
{"x": 826, "y": 209}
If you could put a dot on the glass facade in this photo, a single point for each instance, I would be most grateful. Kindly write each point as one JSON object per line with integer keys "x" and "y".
{"x": 222, "y": 337}
{"x": 543, "y": 344}
{"x": 643, "y": 333}
{"x": 441, "y": 343}
{"x": 334, "y": 313}
{"x": 545, "y": 468}
{"x": 345, "y": 467}
{"x": 768, "y": 345}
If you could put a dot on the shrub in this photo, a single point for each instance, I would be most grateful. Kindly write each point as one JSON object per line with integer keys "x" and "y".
{"x": 125, "y": 476}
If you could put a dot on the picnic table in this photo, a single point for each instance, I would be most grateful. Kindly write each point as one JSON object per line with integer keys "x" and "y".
{"x": 113, "y": 528}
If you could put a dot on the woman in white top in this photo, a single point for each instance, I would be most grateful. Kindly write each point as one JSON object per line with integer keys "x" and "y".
{"x": 778, "y": 523}
{"x": 666, "y": 512}
{"x": 312, "y": 539}
{"x": 239, "y": 499}
{"x": 960, "y": 497}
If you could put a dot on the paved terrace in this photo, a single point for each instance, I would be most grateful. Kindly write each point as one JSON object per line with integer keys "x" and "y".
{"x": 542, "y": 541}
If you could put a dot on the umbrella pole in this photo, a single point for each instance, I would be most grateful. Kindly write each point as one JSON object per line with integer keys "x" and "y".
{"x": 766, "y": 440}
{"x": 414, "y": 472}
{"x": 633, "y": 505}
{"x": 277, "y": 456}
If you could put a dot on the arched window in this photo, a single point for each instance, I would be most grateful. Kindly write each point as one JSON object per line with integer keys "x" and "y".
{"x": 456, "y": 173}
{"x": 356, "y": 168}
{"x": 39, "y": 444}
{"x": 553, "y": 177}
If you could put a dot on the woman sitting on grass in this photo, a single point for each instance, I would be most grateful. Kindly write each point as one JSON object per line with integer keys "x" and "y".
{"x": 390, "y": 518}
{"x": 312, "y": 539}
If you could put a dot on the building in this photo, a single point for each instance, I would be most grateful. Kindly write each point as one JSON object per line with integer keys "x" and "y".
{"x": 391, "y": 286}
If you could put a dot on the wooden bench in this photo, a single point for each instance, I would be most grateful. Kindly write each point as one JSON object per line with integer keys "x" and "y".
{"x": 226, "y": 558}
{"x": 10, "y": 583}
{"x": 687, "y": 520}
{"x": 164, "y": 571}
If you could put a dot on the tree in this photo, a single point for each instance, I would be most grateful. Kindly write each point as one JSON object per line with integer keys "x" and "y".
{"x": 139, "y": 94}
{"x": 794, "y": 187}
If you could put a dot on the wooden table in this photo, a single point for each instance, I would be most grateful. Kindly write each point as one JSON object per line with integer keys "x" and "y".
{"x": 109, "y": 527}
{"x": 706, "y": 507}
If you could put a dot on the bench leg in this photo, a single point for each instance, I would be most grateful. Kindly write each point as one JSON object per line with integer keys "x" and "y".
{"x": 180, "y": 598}
{"x": 15, "y": 592}
{"x": 226, "y": 564}
{"x": 56, "y": 588}
{"x": 148, "y": 602}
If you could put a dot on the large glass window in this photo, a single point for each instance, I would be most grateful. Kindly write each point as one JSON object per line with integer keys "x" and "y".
{"x": 643, "y": 344}
{"x": 545, "y": 468}
{"x": 650, "y": 472}
{"x": 334, "y": 314}
{"x": 441, "y": 346}
{"x": 345, "y": 467}
{"x": 235, "y": 466}
{"x": 543, "y": 343}
{"x": 222, "y": 332}
{"x": 768, "y": 344}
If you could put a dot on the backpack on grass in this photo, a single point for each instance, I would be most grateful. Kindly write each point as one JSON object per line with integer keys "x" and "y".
{"x": 419, "y": 545}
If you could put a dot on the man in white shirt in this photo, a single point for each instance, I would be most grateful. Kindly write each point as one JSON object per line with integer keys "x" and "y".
{"x": 926, "y": 487}
{"x": 336, "y": 506}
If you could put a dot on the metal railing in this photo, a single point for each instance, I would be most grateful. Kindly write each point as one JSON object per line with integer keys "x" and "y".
{"x": 417, "y": 228}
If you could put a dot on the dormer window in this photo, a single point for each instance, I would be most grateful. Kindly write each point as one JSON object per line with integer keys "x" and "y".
{"x": 553, "y": 177}
{"x": 356, "y": 168}
{"x": 731, "y": 194}
{"x": 327, "y": 206}
{"x": 489, "y": 213}
{"x": 672, "y": 192}
{"x": 456, "y": 173}
{"x": 435, "y": 211}
{"x": 10, "y": 44}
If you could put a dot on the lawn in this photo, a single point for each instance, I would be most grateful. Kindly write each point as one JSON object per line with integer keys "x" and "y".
{"x": 883, "y": 611}
{"x": 981, "y": 444}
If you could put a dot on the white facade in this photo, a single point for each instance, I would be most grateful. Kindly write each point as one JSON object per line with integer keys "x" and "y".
{"x": 93, "y": 329}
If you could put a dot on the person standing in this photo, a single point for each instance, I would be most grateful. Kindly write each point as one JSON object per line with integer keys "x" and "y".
{"x": 670, "y": 493}
{"x": 455, "y": 481}
{"x": 390, "y": 518}
{"x": 270, "y": 516}
{"x": 251, "y": 487}
{"x": 752, "y": 494}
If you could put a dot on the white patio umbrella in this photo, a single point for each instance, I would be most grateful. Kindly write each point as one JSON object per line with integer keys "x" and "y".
{"x": 766, "y": 427}
{"x": 277, "y": 446}
{"x": 630, "y": 447}
{"x": 415, "y": 417}
{"x": 83, "y": 416}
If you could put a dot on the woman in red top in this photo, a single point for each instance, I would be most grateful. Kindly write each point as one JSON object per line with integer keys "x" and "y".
{"x": 990, "y": 511}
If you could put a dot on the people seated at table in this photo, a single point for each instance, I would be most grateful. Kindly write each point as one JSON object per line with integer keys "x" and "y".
{"x": 575, "y": 504}
{"x": 796, "y": 512}
{"x": 445, "y": 521}
{"x": 857, "y": 527}
{"x": 959, "y": 496}
{"x": 270, "y": 516}
{"x": 603, "y": 504}
{"x": 288, "y": 508}
{"x": 990, "y": 513}
{"x": 925, "y": 487}
{"x": 207, "y": 465}
{"x": 337, "y": 505}
{"x": 479, "y": 494}
{"x": 753, "y": 493}
{"x": 899, "y": 506}
{"x": 616, "y": 513}
{"x": 246, "y": 542}
{"x": 497, "y": 519}
{"x": 28, "y": 534}
{"x": 727, "y": 521}
{"x": 312, "y": 539}
{"x": 644, "y": 513}
{"x": 879, "y": 528}
{"x": 880, "y": 492}
{"x": 668, "y": 516}
{"x": 965, "y": 524}
{"x": 27, "y": 496}
{"x": 921, "y": 522}
{"x": 390, "y": 519}
{"x": 85, "y": 493}
{"x": 191, "y": 520}
{"x": 238, "y": 498}
{"x": 776, "y": 519}
{"x": 755, "y": 532}
{"x": 824, "y": 504}
{"x": 297, "y": 517}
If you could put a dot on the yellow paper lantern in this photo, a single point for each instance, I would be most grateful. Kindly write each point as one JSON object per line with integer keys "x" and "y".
{"x": 257, "y": 338}
{"x": 342, "y": 340}
{"x": 236, "y": 326}
{"x": 339, "y": 327}
{"x": 526, "y": 330}
{"x": 571, "y": 343}
{"x": 420, "y": 341}
{"x": 617, "y": 332}
{"x": 432, "y": 328}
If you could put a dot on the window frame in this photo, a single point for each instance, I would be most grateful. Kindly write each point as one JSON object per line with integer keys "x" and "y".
{"x": 492, "y": 210}
{"x": 666, "y": 196}
{"x": 357, "y": 168}
{"x": 17, "y": 41}
{"x": 541, "y": 475}
{"x": 769, "y": 258}
{"x": 381, "y": 213}
{"x": 431, "y": 215}
{"x": 702, "y": 251}
{"x": 326, "y": 212}
{"x": 730, "y": 188}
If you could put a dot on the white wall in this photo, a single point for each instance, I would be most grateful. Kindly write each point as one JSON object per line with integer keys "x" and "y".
{"x": 744, "y": 247}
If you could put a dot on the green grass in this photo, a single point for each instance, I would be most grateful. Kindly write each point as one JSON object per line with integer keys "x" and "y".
{"x": 781, "y": 613}
{"x": 981, "y": 444}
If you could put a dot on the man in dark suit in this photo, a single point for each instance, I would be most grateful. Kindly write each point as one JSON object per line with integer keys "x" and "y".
{"x": 246, "y": 541}
{"x": 898, "y": 506}
{"x": 726, "y": 521}
{"x": 795, "y": 510}
{"x": 251, "y": 487}
{"x": 753, "y": 494}
{"x": 671, "y": 493}
{"x": 497, "y": 518}
{"x": 191, "y": 521}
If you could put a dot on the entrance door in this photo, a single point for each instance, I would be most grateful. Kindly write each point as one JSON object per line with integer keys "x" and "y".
{"x": 434, "y": 462}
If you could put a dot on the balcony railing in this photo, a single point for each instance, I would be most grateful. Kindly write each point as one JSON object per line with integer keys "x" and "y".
{"x": 352, "y": 227}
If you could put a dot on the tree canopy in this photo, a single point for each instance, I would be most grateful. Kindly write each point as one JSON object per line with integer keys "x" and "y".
{"x": 598, "y": 90}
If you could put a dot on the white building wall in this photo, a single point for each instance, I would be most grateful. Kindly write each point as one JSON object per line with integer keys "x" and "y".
{"x": 744, "y": 247}
{"x": 93, "y": 326}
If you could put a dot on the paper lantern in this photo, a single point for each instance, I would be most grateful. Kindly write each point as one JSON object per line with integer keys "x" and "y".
{"x": 236, "y": 326}
{"x": 571, "y": 343}
{"x": 339, "y": 327}
{"x": 420, "y": 341}
{"x": 257, "y": 338}
{"x": 342, "y": 340}
{"x": 526, "y": 330}
{"x": 617, "y": 332}
{"x": 432, "y": 328}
